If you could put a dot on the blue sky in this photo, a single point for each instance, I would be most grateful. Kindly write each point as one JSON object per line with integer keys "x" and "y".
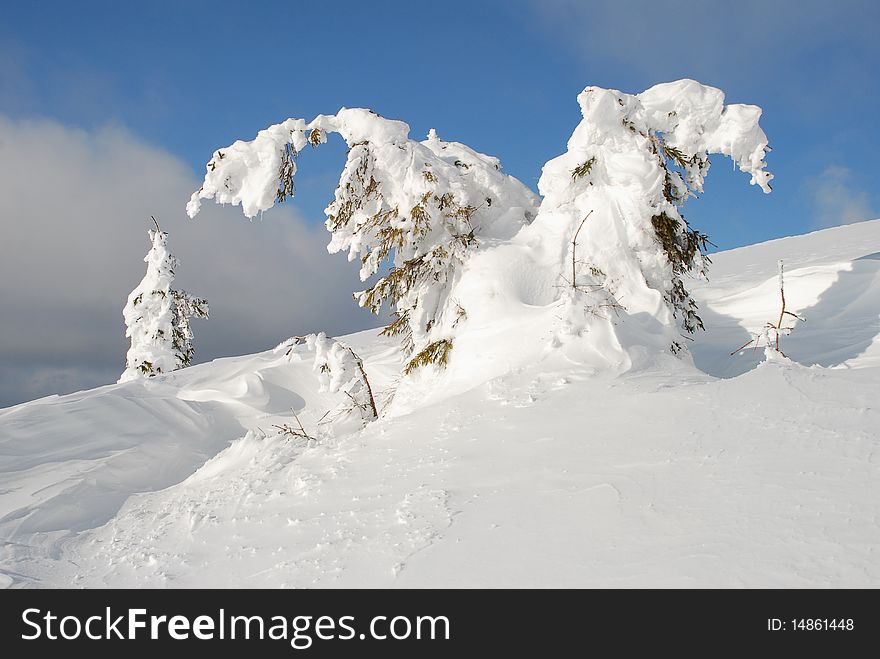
{"x": 500, "y": 76}
{"x": 109, "y": 110}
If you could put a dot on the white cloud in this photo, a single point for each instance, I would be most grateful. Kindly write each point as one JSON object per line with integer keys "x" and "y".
{"x": 835, "y": 199}
{"x": 74, "y": 211}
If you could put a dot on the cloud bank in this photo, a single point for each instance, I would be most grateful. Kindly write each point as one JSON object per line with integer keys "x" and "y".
{"x": 75, "y": 209}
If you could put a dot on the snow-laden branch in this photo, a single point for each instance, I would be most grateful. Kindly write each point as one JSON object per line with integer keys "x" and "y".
{"x": 693, "y": 120}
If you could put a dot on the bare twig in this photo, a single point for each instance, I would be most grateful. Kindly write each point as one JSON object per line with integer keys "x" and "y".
{"x": 295, "y": 341}
{"x": 782, "y": 312}
{"x": 574, "y": 251}
{"x": 744, "y": 346}
{"x": 287, "y": 429}
{"x": 156, "y": 223}
{"x": 303, "y": 430}
{"x": 777, "y": 328}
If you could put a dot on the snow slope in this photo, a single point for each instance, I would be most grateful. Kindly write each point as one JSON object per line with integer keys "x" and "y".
{"x": 831, "y": 278}
{"x": 738, "y": 474}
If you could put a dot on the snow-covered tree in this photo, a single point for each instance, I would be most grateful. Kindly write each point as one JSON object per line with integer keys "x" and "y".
{"x": 419, "y": 207}
{"x": 341, "y": 370}
{"x": 157, "y": 317}
{"x": 631, "y": 164}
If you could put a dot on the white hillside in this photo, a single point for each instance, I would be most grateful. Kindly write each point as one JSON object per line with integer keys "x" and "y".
{"x": 522, "y": 474}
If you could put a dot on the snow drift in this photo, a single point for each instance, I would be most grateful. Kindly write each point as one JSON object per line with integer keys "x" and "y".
{"x": 540, "y": 475}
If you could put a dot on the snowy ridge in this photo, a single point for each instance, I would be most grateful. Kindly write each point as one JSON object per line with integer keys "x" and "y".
{"x": 522, "y": 474}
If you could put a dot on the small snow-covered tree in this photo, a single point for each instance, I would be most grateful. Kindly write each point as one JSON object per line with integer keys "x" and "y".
{"x": 420, "y": 207}
{"x": 341, "y": 370}
{"x": 157, "y": 317}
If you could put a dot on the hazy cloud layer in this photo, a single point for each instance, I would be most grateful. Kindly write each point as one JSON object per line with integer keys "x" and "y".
{"x": 837, "y": 200}
{"x": 75, "y": 210}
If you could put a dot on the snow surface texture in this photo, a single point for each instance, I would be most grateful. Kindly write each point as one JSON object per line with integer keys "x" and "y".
{"x": 533, "y": 475}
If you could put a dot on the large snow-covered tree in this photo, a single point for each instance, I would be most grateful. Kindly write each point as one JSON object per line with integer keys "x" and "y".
{"x": 419, "y": 208}
{"x": 631, "y": 164}
{"x": 157, "y": 317}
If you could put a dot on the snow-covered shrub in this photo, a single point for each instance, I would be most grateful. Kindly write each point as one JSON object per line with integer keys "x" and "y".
{"x": 341, "y": 370}
{"x": 421, "y": 207}
{"x": 157, "y": 317}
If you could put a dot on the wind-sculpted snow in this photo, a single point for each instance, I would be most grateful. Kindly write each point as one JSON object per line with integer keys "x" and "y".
{"x": 694, "y": 120}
